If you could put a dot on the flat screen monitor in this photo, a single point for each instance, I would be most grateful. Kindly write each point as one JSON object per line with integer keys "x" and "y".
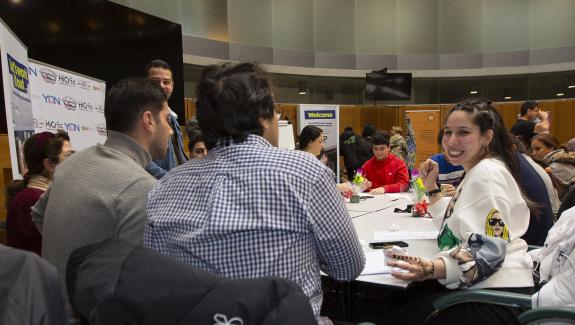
{"x": 387, "y": 86}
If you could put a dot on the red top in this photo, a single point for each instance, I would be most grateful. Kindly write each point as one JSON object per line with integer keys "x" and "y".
{"x": 20, "y": 230}
{"x": 389, "y": 173}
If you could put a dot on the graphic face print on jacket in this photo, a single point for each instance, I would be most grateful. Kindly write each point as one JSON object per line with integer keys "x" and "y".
{"x": 495, "y": 227}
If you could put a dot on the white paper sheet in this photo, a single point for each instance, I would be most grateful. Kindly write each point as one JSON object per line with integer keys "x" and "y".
{"x": 375, "y": 263}
{"x": 404, "y": 235}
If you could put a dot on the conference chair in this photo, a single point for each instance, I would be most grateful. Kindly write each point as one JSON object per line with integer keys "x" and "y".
{"x": 514, "y": 300}
{"x": 115, "y": 282}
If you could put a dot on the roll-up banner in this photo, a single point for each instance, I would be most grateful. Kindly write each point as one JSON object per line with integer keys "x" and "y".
{"x": 19, "y": 115}
{"x": 65, "y": 100}
{"x": 326, "y": 117}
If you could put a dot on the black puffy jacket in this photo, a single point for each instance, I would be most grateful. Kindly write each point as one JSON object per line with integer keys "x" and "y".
{"x": 115, "y": 282}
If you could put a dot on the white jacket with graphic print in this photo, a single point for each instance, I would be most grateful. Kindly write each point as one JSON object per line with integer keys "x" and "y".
{"x": 488, "y": 189}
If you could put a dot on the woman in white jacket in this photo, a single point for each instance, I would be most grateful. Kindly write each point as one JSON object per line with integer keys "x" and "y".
{"x": 479, "y": 227}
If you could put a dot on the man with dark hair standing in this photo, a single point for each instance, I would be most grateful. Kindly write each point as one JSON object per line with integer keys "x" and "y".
{"x": 532, "y": 121}
{"x": 101, "y": 192}
{"x": 249, "y": 209}
{"x": 162, "y": 73}
{"x": 386, "y": 172}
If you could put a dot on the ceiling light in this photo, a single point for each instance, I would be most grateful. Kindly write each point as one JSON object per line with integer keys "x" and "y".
{"x": 560, "y": 94}
{"x": 571, "y": 86}
{"x": 473, "y": 92}
{"x": 507, "y": 97}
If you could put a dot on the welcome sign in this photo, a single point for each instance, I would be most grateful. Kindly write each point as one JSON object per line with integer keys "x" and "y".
{"x": 326, "y": 117}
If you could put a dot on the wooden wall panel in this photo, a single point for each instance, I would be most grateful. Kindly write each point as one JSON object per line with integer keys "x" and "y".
{"x": 425, "y": 125}
{"x": 509, "y": 112}
{"x": 403, "y": 109}
{"x": 190, "y": 106}
{"x": 5, "y": 179}
{"x": 349, "y": 116}
{"x": 436, "y": 124}
{"x": 383, "y": 117}
{"x": 289, "y": 111}
{"x": 562, "y": 118}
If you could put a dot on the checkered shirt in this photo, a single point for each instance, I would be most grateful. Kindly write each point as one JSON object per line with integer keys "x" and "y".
{"x": 250, "y": 210}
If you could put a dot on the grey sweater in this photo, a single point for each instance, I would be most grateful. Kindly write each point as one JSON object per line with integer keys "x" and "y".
{"x": 98, "y": 193}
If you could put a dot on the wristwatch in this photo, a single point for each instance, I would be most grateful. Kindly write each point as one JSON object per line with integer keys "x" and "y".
{"x": 433, "y": 192}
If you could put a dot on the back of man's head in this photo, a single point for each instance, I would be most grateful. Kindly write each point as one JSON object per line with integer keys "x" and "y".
{"x": 380, "y": 139}
{"x": 231, "y": 100}
{"x": 368, "y": 130}
{"x": 525, "y": 107}
{"x": 128, "y": 99}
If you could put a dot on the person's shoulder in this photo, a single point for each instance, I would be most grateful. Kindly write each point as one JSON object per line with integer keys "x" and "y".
{"x": 276, "y": 157}
{"x": 101, "y": 161}
{"x": 490, "y": 163}
{"x": 26, "y": 196}
{"x": 490, "y": 169}
{"x": 519, "y": 126}
{"x": 438, "y": 158}
{"x": 395, "y": 159}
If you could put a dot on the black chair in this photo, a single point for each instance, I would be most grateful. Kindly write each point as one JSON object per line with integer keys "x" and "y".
{"x": 115, "y": 282}
{"x": 514, "y": 300}
{"x": 567, "y": 201}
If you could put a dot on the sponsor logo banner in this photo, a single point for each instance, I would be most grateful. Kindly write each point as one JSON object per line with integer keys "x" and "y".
{"x": 70, "y": 103}
{"x": 48, "y": 75}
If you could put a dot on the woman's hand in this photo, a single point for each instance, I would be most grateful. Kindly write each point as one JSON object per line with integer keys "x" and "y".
{"x": 447, "y": 189}
{"x": 343, "y": 187}
{"x": 429, "y": 171}
{"x": 418, "y": 269}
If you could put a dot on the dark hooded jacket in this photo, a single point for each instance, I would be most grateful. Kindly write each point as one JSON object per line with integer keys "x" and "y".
{"x": 30, "y": 292}
{"x": 116, "y": 282}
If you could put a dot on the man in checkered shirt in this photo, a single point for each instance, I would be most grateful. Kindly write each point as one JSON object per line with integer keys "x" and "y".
{"x": 249, "y": 209}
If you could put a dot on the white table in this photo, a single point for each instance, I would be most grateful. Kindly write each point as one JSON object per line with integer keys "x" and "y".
{"x": 376, "y": 214}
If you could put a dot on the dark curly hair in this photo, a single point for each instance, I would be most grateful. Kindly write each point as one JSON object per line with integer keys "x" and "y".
{"x": 231, "y": 99}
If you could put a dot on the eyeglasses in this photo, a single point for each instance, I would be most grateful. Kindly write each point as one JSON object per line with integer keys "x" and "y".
{"x": 164, "y": 82}
{"x": 494, "y": 222}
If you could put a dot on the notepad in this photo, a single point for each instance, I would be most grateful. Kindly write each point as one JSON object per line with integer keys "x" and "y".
{"x": 404, "y": 235}
{"x": 375, "y": 263}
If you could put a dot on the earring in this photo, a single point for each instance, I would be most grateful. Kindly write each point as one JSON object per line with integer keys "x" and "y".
{"x": 485, "y": 148}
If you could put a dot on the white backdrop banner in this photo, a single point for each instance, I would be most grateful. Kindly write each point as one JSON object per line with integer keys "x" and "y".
{"x": 326, "y": 117}
{"x": 64, "y": 100}
{"x": 14, "y": 59}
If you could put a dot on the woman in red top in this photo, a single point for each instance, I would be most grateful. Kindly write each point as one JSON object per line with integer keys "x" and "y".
{"x": 42, "y": 152}
{"x": 386, "y": 172}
